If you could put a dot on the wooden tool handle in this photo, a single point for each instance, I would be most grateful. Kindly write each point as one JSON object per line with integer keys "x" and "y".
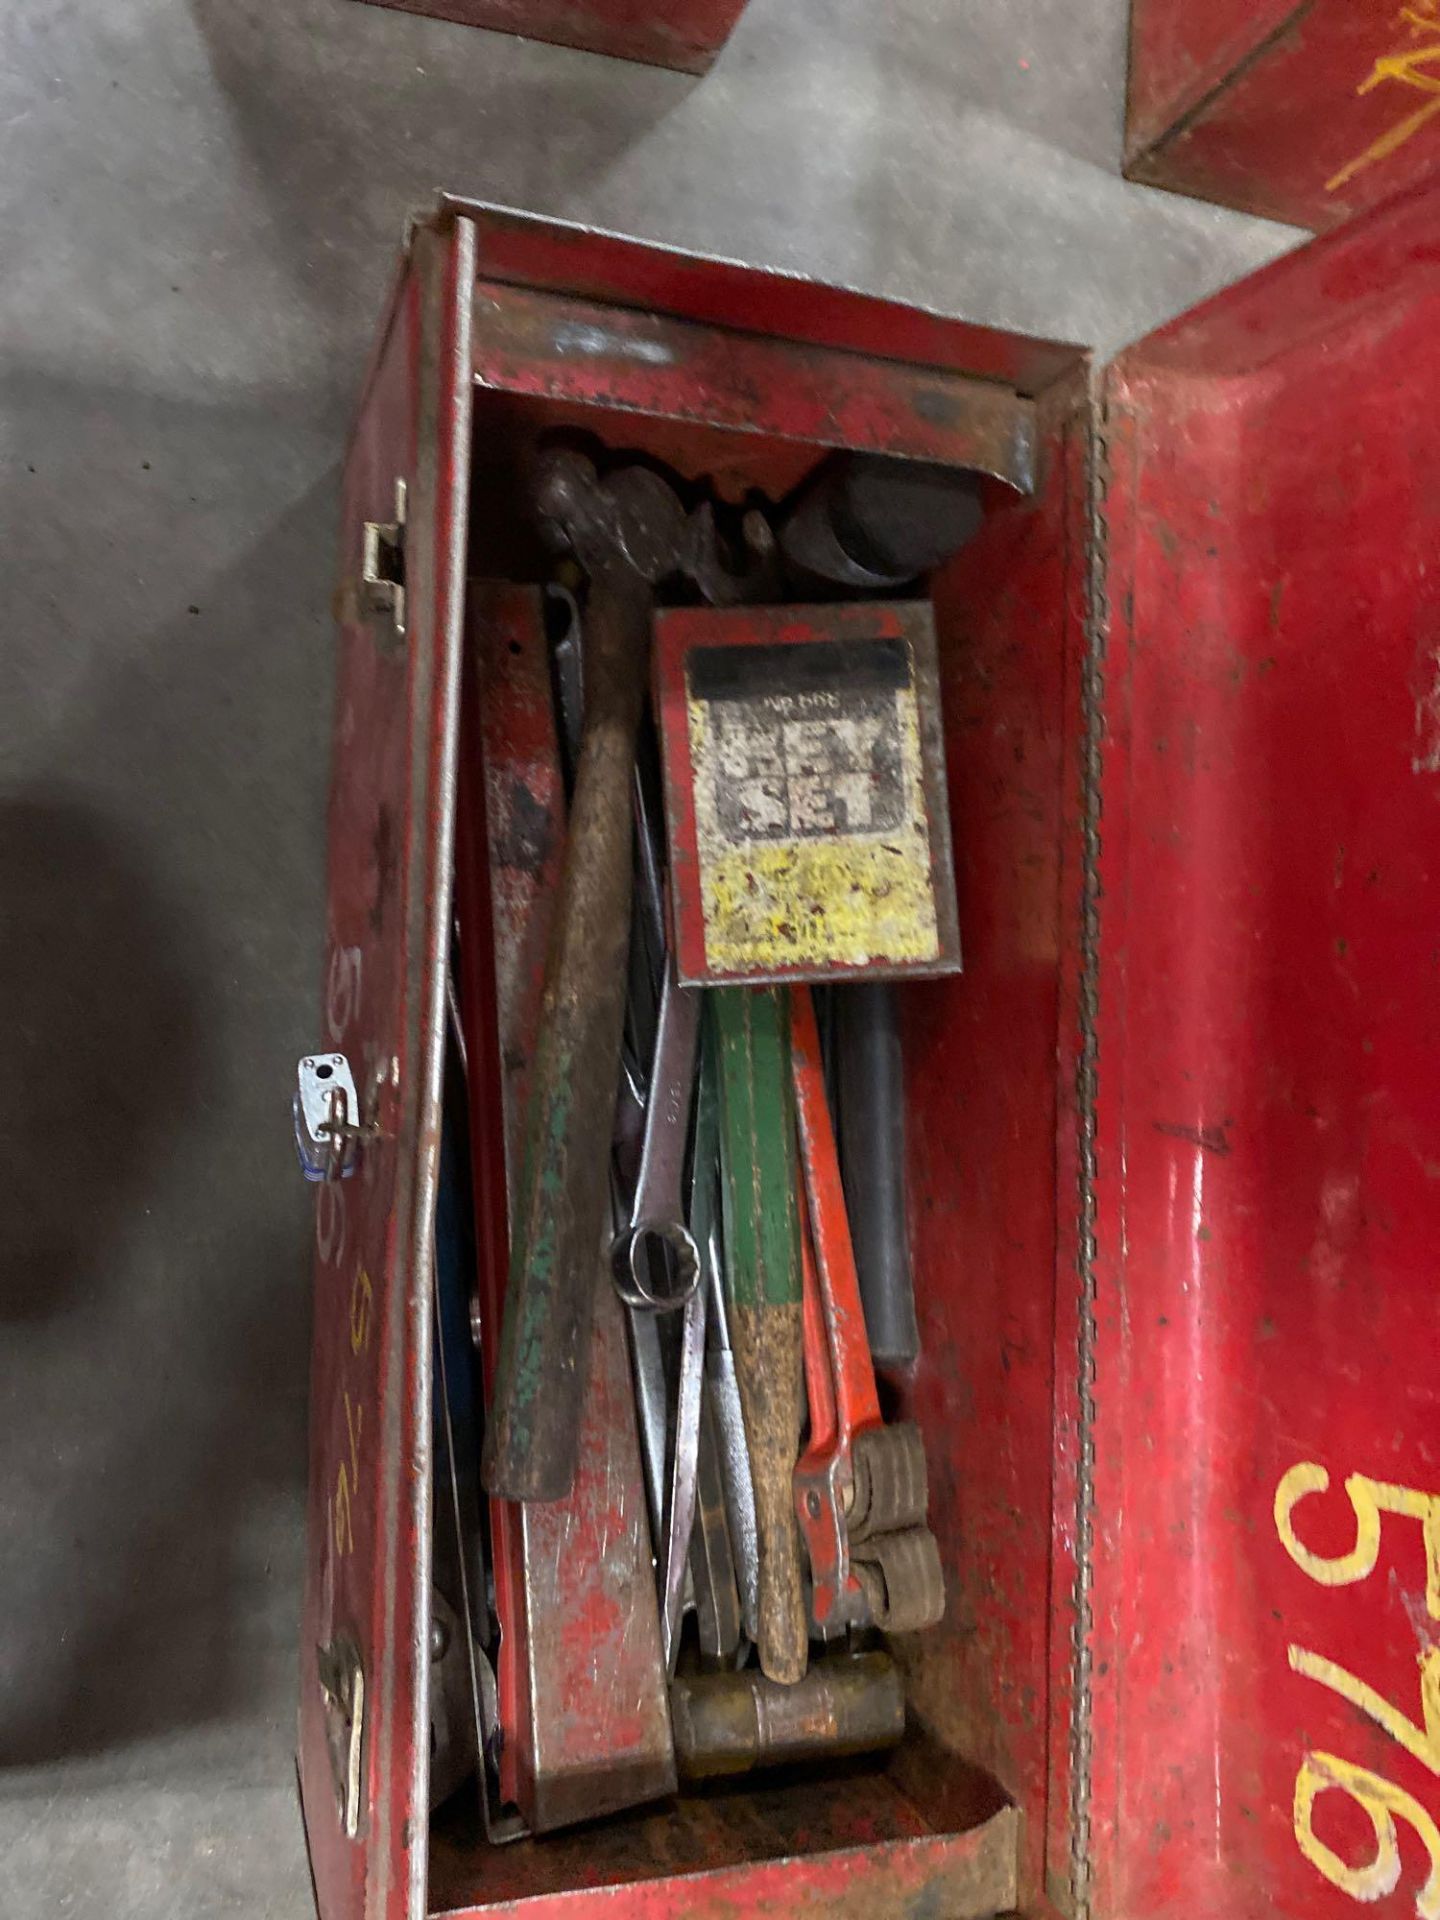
{"x": 762, "y": 1262}
{"x": 560, "y": 1208}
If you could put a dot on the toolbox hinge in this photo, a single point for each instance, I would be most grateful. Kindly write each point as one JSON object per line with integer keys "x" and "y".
{"x": 382, "y": 567}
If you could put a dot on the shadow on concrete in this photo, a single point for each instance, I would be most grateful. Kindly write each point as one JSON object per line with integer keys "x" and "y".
{"x": 355, "y": 116}
{"x": 161, "y": 870}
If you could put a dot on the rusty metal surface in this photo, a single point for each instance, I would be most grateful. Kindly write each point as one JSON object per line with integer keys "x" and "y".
{"x": 866, "y": 1856}
{"x": 557, "y": 347}
{"x": 684, "y": 34}
{"x": 581, "y": 1687}
{"x": 1305, "y": 112}
{"x": 391, "y": 815}
{"x": 732, "y": 1723}
{"x": 587, "y": 263}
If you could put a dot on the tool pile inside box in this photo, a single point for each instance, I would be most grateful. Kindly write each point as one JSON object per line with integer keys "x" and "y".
{"x": 703, "y": 837}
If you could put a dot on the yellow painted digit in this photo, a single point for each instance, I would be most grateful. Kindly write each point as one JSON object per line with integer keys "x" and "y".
{"x": 361, "y": 1295}
{"x": 1410, "y": 67}
{"x": 344, "y": 1522}
{"x": 1383, "y": 1804}
{"x": 1369, "y": 1499}
{"x": 354, "y": 1422}
{"x": 1424, "y": 1742}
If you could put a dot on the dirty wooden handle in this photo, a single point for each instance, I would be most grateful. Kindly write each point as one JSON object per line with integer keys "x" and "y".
{"x": 560, "y": 1208}
{"x": 762, "y": 1261}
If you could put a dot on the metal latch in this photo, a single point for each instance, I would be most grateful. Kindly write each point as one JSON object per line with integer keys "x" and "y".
{"x": 342, "y": 1685}
{"x": 382, "y": 564}
{"x": 329, "y": 1126}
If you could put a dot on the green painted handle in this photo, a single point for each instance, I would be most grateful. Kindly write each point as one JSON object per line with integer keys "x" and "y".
{"x": 760, "y": 1198}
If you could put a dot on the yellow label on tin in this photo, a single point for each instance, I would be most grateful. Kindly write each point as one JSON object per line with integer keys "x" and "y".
{"x": 811, "y": 825}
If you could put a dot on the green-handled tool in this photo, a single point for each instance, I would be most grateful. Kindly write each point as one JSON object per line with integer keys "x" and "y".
{"x": 762, "y": 1268}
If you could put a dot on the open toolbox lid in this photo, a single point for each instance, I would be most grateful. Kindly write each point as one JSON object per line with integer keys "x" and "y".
{"x": 1207, "y": 616}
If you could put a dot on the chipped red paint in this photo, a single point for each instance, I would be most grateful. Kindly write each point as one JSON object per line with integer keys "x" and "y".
{"x": 582, "y": 1710}
{"x": 1304, "y": 110}
{"x": 549, "y": 347}
{"x": 590, "y": 264}
{"x": 686, "y": 34}
{"x": 391, "y": 813}
{"x": 1268, "y": 1059}
{"x": 963, "y": 1876}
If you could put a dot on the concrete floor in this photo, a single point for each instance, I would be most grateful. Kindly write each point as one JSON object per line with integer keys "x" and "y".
{"x": 199, "y": 201}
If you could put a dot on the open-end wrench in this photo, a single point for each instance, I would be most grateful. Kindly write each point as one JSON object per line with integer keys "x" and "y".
{"x": 656, "y": 1260}
{"x": 657, "y": 1268}
{"x": 860, "y": 1487}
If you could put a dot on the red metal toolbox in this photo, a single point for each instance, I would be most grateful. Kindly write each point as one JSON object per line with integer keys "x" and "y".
{"x": 1175, "y": 1130}
{"x": 1305, "y": 113}
{"x": 686, "y": 34}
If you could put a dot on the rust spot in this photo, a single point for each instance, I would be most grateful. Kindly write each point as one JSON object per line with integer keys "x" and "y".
{"x": 1208, "y": 1139}
{"x": 527, "y": 836}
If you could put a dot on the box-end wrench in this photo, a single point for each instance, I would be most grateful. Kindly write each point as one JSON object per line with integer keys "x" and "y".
{"x": 656, "y": 1260}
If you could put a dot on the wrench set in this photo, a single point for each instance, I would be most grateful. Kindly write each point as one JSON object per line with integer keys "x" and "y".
{"x": 706, "y": 836}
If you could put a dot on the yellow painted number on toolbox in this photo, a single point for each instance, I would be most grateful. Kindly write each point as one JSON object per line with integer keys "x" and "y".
{"x": 1382, "y": 1802}
{"x": 347, "y": 1478}
{"x": 361, "y": 1295}
{"x": 1416, "y": 67}
{"x": 1423, "y": 1742}
{"x": 1369, "y": 1499}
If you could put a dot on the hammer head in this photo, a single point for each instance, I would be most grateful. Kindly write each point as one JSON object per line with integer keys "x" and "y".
{"x": 632, "y": 518}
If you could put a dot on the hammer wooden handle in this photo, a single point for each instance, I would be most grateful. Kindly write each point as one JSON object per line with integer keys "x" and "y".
{"x": 560, "y": 1209}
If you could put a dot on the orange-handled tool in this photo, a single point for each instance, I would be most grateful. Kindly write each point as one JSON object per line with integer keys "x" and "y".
{"x": 860, "y": 1485}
